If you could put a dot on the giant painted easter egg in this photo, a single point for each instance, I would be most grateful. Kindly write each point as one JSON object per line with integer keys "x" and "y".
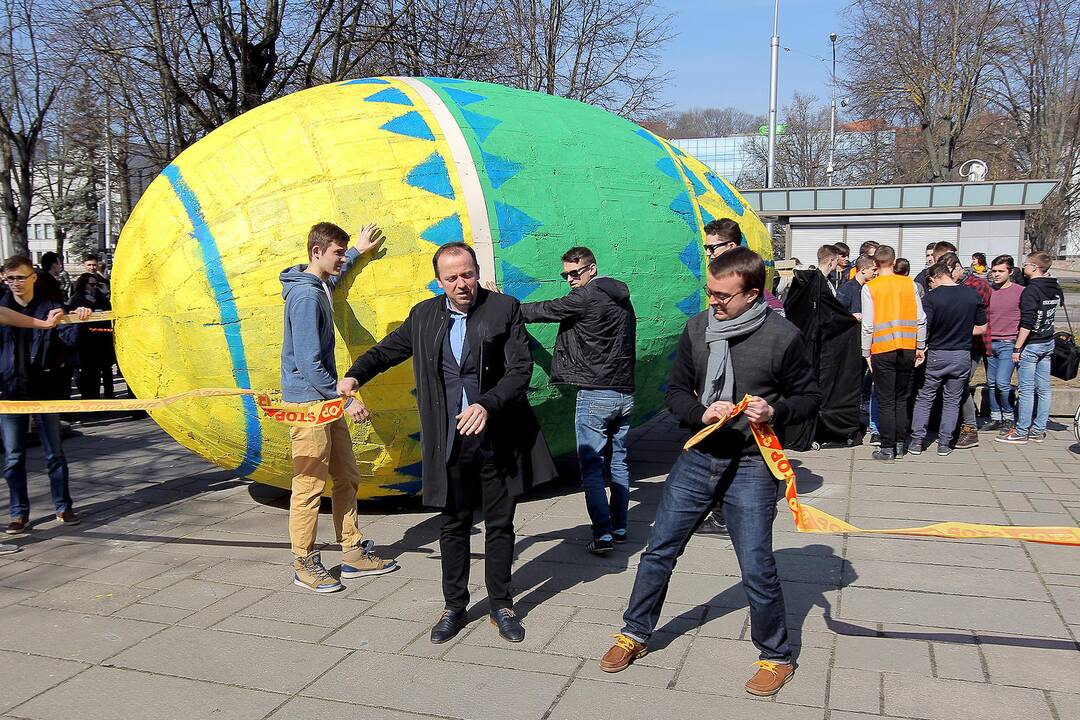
{"x": 521, "y": 176}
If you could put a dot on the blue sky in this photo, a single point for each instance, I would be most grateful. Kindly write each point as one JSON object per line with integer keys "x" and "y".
{"x": 720, "y": 56}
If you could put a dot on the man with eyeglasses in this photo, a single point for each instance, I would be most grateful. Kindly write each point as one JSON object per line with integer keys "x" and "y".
{"x": 595, "y": 352}
{"x": 737, "y": 347}
{"x": 92, "y": 265}
{"x": 33, "y": 363}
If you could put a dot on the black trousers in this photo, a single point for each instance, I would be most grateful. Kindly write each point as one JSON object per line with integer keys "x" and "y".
{"x": 892, "y": 380}
{"x": 473, "y": 480}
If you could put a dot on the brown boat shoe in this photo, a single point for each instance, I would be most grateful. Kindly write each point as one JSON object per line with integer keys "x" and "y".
{"x": 625, "y": 650}
{"x": 769, "y": 678}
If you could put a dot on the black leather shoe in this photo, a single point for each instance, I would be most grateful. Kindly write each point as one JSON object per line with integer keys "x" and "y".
{"x": 510, "y": 628}
{"x": 450, "y": 624}
{"x": 713, "y": 525}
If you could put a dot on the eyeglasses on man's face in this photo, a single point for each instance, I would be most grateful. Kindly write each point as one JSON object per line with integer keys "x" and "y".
{"x": 722, "y": 298}
{"x": 576, "y": 273}
{"x": 15, "y": 279}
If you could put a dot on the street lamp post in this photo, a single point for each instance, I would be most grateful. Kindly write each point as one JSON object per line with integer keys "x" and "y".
{"x": 774, "y": 44}
{"x": 832, "y": 116}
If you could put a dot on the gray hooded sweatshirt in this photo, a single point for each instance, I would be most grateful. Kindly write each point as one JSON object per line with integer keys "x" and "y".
{"x": 308, "y": 370}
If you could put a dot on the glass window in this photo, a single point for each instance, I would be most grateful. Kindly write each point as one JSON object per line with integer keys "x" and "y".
{"x": 49, "y": 232}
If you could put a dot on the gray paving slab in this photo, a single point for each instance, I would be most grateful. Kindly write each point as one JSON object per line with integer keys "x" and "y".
{"x": 918, "y": 697}
{"x": 309, "y": 708}
{"x": 23, "y": 676}
{"x": 246, "y": 661}
{"x": 115, "y": 694}
{"x": 462, "y": 690}
{"x": 69, "y": 635}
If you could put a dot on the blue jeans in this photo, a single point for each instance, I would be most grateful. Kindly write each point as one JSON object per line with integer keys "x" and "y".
{"x": 15, "y": 429}
{"x": 749, "y": 494}
{"x": 1033, "y": 377}
{"x": 999, "y": 370}
{"x": 604, "y": 415}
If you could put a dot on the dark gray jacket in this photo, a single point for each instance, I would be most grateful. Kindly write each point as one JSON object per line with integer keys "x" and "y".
{"x": 772, "y": 363}
{"x": 597, "y": 335}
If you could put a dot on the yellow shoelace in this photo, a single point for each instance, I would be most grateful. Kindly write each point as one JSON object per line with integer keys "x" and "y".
{"x": 626, "y": 642}
{"x": 767, "y": 665}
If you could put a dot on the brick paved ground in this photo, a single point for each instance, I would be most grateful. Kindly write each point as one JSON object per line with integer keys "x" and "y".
{"x": 173, "y": 600}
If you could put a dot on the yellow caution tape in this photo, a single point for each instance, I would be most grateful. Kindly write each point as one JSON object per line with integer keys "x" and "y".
{"x": 295, "y": 414}
{"x": 811, "y": 520}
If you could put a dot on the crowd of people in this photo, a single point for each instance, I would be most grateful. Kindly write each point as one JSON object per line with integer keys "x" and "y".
{"x": 39, "y": 359}
{"x": 481, "y": 444}
{"x": 925, "y": 338}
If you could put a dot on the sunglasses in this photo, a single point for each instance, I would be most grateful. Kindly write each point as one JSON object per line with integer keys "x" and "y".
{"x": 711, "y": 249}
{"x": 575, "y": 273}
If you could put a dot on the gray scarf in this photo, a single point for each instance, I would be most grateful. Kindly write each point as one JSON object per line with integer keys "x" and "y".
{"x": 719, "y": 377}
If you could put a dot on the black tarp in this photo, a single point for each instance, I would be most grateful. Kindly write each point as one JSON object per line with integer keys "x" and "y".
{"x": 832, "y": 337}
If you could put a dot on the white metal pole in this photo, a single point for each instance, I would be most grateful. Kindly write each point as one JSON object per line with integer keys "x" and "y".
{"x": 832, "y": 116}
{"x": 774, "y": 44}
{"x": 108, "y": 179}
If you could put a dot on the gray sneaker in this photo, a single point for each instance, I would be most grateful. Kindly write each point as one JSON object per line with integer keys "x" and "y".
{"x": 308, "y": 572}
{"x": 1036, "y": 436}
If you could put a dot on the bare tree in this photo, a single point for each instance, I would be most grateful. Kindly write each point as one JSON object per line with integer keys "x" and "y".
{"x": 710, "y": 122}
{"x": 802, "y": 150}
{"x": 33, "y": 69}
{"x": 603, "y": 52}
{"x": 1037, "y": 88}
{"x": 924, "y": 63}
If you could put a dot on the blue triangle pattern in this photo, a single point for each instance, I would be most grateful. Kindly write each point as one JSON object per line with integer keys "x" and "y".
{"x": 409, "y": 487}
{"x": 413, "y": 470}
{"x": 725, "y": 192}
{"x": 433, "y": 286}
{"x": 445, "y": 81}
{"x": 691, "y": 305}
{"x": 446, "y": 230}
{"x": 410, "y": 124}
{"x": 463, "y": 97}
{"x": 667, "y": 166}
{"x": 513, "y": 224}
{"x": 482, "y": 125}
{"x": 699, "y": 187}
{"x": 691, "y": 259}
{"x": 499, "y": 169}
{"x": 432, "y": 175}
{"x": 642, "y": 132}
{"x": 706, "y": 216}
{"x": 414, "y": 436}
{"x": 685, "y": 209}
{"x": 516, "y": 282}
{"x": 367, "y": 81}
{"x": 390, "y": 95}
{"x": 744, "y": 242}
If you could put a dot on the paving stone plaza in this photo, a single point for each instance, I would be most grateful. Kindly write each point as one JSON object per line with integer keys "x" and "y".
{"x": 174, "y": 600}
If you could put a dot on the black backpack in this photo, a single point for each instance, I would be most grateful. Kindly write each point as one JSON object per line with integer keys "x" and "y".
{"x": 1066, "y": 358}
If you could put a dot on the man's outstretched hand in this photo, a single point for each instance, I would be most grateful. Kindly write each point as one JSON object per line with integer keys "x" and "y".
{"x": 472, "y": 420}
{"x": 369, "y": 239}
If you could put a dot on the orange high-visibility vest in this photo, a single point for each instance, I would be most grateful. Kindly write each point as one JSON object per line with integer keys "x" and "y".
{"x": 896, "y": 324}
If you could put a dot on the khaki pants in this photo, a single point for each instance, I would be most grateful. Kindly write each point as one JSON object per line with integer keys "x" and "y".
{"x": 318, "y": 453}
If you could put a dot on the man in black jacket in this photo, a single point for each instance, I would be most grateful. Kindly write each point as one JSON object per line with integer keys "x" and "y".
{"x": 595, "y": 352}
{"x": 479, "y": 437}
{"x": 34, "y": 366}
{"x": 738, "y": 346}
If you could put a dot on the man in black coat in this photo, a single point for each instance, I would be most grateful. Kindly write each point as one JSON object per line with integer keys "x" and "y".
{"x": 739, "y": 346}
{"x": 479, "y": 437}
{"x": 595, "y": 352}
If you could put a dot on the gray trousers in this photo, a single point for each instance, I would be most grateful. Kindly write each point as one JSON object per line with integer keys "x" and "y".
{"x": 949, "y": 371}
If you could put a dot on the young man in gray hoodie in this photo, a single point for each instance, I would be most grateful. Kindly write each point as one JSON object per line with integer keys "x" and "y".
{"x": 309, "y": 374}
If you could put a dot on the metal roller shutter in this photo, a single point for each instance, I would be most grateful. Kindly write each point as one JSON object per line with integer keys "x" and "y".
{"x": 806, "y": 239}
{"x": 917, "y": 237}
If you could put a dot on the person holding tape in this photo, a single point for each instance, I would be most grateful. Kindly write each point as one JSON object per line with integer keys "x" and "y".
{"x": 34, "y": 366}
{"x": 309, "y": 374}
{"x": 738, "y": 346}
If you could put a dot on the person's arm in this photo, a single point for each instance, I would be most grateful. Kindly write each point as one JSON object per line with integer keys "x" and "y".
{"x": 682, "y": 398}
{"x": 981, "y": 325}
{"x": 306, "y": 348}
{"x": 518, "y": 365}
{"x": 920, "y": 331}
{"x": 568, "y": 307}
{"x": 867, "y": 321}
{"x": 392, "y": 350}
{"x": 17, "y": 319}
{"x": 369, "y": 240}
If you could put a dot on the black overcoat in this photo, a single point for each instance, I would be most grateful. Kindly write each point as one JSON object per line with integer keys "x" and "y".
{"x": 495, "y": 326}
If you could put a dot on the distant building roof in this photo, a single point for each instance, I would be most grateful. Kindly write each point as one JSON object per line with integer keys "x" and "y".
{"x": 893, "y": 199}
